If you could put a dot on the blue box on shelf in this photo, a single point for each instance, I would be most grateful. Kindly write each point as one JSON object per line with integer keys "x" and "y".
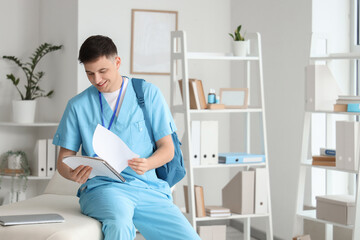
{"x": 240, "y": 157}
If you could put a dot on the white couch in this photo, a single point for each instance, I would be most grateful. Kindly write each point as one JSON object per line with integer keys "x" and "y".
{"x": 59, "y": 197}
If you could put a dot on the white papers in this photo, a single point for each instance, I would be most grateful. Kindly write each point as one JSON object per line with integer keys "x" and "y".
{"x": 111, "y": 150}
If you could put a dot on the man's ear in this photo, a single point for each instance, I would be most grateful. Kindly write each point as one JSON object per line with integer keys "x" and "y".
{"x": 117, "y": 62}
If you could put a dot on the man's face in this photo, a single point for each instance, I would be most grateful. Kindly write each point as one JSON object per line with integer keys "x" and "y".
{"x": 103, "y": 73}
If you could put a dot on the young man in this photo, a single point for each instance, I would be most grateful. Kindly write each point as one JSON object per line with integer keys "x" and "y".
{"x": 143, "y": 200}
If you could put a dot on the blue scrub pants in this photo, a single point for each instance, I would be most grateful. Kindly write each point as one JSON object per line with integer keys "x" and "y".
{"x": 120, "y": 206}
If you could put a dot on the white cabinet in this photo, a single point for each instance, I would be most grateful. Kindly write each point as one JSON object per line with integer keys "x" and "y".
{"x": 19, "y": 136}
{"x": 182, "y": 58}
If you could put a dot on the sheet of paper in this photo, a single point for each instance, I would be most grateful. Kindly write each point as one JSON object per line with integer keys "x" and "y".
{"x": 108, "y": 146}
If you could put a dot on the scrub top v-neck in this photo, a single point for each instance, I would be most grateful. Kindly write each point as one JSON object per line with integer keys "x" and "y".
{"x": 83, "y": 113}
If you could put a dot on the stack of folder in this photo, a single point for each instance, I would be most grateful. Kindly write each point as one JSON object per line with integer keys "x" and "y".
{"x": 196, "y": 94}
{"x": 324, "y": 161}
{"x": 217, "y": 211}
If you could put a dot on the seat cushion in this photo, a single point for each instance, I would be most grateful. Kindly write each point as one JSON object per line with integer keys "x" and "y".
{"x": 76, "y": 225}
{"x": 60, "y": 185}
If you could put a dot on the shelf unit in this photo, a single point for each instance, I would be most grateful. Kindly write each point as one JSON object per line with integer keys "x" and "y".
{"x": 305, "y": 164}
{"x": 38, "y": 126}
{"x": 178, "y": 39}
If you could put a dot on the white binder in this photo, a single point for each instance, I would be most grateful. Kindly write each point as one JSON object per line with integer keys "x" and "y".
{"x": 261, "y": 191}
{"x": 195, "y": 142}
{"x": 51, "y": 158}
{"x": 351, "y": 145}
{"x": 340, "y": 145}
{"x": 209, "y": 142}
{"x": 321, "y": 89}
{"x": 38, "y": 163}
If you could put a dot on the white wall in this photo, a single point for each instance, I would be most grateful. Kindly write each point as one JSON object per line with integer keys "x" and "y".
{"x": 285, "y": 27}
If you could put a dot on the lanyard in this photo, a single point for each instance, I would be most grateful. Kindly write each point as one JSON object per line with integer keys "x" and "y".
{"x": 116, "y": 107}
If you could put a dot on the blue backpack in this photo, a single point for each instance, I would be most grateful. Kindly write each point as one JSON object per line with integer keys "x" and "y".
{"x": 173, "y": 171}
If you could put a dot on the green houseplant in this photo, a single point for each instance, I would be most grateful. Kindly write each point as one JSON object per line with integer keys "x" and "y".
{"x": 15, "y": 164}
{"x": 239, "y": 45}
{"x": 32, "y": 87}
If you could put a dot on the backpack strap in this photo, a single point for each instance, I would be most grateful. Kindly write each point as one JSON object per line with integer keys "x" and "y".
{"x": 139, "y": 91}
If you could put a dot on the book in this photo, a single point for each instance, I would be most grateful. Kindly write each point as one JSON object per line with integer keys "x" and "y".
{"x": 196, "y": 94}
{"x": 327, "y": 152}
{"x": 201, "y": 94}
{"x": 353, "y": 107}
{"x": 324, "y": 163}
{"x": 191, "y": 93}
{"x": 348, "y": 97}
{"x": 340, "y": 107}
{"x": 324, "y": 158}
{"x": 223, "y": 214}
{"x": 216, "y": 209}
{"x": 186, "y": 196}
{"x": 199, "y": 201}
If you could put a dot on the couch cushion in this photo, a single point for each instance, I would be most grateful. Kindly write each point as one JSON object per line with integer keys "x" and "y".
{"x": 60, "y": 185}
{"x": 76, "y": 225}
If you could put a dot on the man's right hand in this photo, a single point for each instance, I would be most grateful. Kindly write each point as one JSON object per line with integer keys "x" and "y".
{"x": 79, "y": 174}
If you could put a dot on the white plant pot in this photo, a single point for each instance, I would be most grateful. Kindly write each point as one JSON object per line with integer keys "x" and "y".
{"x": 240, "y": 48}
{"x": 24, "y": 111}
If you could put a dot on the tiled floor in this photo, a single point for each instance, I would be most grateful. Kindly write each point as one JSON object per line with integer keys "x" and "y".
{"x": 231, "y": 234}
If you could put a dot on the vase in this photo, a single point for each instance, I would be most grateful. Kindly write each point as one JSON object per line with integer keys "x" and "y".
{"x": 240, "y": 48}
{"x": 24, "y": 111}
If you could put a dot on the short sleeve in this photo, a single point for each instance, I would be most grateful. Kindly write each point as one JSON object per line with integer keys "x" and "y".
{"x": 68, "y": 134}
{"x": 161, "y": 119}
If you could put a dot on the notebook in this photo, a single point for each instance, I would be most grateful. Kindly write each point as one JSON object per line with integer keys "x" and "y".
{"x": 31, "y": 219}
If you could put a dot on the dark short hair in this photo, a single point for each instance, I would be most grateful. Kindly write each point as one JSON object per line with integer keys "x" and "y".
{"x": 95, "y": 47}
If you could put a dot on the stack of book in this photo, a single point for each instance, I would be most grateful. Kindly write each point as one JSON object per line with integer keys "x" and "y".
{"x": 327, "y": 158}
{"x": 217, "y": 211}
{"x": 347, "y": 104}
{"x": 196, "y": 94}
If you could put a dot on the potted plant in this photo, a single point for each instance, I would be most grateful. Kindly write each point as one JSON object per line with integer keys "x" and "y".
{"x": 24, "y": 110}
{"x": 15, "y": 164}
{"x": 239, "y": 45}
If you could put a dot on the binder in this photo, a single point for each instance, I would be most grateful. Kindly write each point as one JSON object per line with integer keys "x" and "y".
{"x": 51, "y": 158}
{"x": 234, "y": 158}
{"x": 351, "y": 145}
{"x": 238, "y": 194}
{"x": 38, "y": 163}
{"x": 261, "y": 191}
{"x": 321, "y": 88}
{"x": 340, "y": 145}
{"x": 195, "y": 142}
{"x": 209, "y": 142}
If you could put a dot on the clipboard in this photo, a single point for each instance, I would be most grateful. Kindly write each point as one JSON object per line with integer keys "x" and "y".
{"x": 100, "y": 167}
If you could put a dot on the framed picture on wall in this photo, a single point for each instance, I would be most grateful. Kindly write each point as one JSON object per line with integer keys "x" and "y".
{"x": 150, "y": 41}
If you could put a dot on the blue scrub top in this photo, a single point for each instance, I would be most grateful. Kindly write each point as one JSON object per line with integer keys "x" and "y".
{"x": 83, "y": 113}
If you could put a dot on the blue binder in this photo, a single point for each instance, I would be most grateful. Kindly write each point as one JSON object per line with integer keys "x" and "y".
{"x": 239, "y": 157}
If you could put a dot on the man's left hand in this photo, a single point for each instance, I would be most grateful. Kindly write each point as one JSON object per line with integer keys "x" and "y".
{"x": 139, "y": 165}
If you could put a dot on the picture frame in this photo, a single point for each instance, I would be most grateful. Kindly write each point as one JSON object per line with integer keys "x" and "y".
{"x": 150, "y": 41}
{"x": 234, "y": 98}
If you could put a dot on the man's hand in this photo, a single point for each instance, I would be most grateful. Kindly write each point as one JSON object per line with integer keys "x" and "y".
{"x": 80, "y": 174}
{"x": 139, "y": 165}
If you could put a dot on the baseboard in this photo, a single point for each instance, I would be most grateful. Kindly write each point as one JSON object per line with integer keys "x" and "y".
{"x": 255, "y": 233}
